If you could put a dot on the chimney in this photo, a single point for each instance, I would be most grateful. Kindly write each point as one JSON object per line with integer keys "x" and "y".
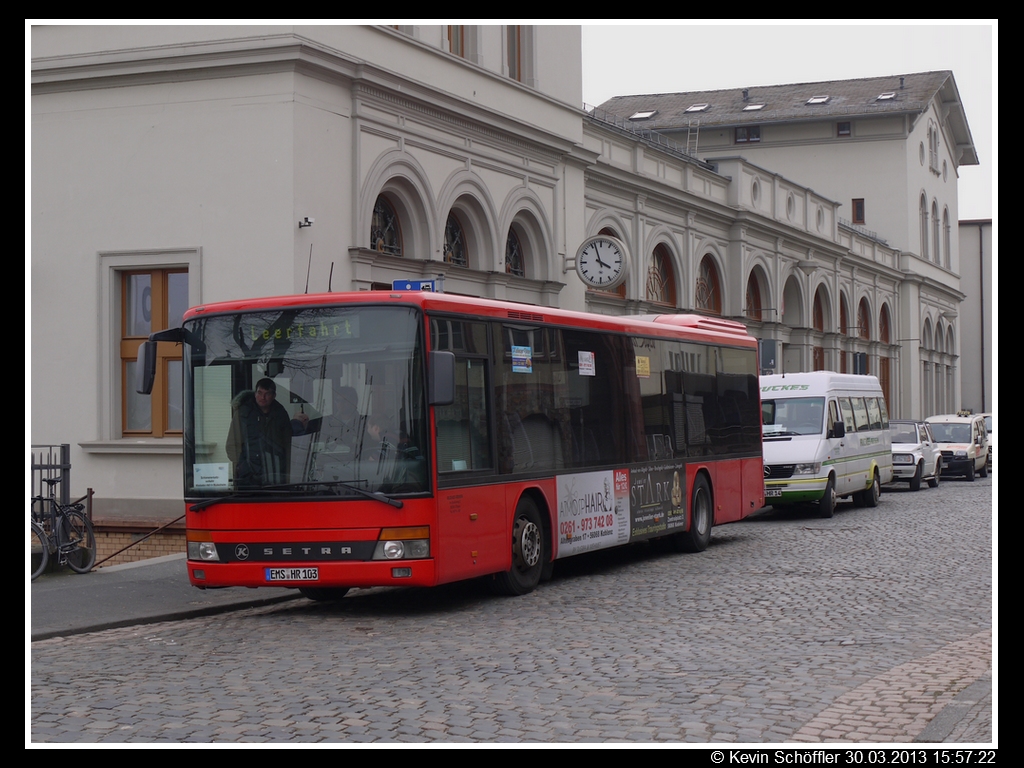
{"x": 901, "y": 82}
{"x": 746, "y": 94}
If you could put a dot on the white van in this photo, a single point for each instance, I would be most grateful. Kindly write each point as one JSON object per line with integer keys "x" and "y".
{"x": 825, "y": 437}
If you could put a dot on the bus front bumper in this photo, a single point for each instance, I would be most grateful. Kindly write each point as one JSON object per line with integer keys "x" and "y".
{"x": 384, "y": 573}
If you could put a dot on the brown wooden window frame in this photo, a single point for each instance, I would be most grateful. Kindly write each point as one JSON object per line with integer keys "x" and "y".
{"x": 857, "y": 210}
{"x": 167, "y": 352}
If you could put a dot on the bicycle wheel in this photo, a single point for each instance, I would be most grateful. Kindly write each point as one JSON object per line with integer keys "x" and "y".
{"x": 77, "y": 541}
{"x": 39, "y": 550}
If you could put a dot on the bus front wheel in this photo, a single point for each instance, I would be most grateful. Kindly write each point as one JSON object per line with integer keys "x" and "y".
{"x": 529, "y": 551}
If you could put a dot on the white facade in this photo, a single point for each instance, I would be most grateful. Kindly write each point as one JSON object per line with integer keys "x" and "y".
{"x": 977, "y": 280}
{"x": 195, "y": 153}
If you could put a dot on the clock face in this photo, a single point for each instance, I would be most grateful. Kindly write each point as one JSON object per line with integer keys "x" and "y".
{"x": 601, "y": 263}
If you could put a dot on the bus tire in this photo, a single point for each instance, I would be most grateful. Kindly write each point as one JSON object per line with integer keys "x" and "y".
{"x": 323, "y": 594}
{"x": 872, "y": 494}
{"x": 827, "y": 503}
{"x": 529, "y": 552}
{"x": 698, "y": 536}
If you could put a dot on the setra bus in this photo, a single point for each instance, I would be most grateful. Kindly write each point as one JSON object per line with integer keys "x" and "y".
{"x": 394, "y": 438}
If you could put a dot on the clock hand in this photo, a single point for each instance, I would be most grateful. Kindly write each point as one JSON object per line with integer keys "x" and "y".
{"x": 602, "y": 263}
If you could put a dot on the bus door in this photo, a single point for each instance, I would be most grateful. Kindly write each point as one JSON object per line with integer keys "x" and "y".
{"x": 845, "y": 478}
{"x": 836, "y": 444}
{"x": 470, "y": 524}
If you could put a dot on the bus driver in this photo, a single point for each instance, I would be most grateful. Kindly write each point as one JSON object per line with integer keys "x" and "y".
{"x": 260, "y": 438}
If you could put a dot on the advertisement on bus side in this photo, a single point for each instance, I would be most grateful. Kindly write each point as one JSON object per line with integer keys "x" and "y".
{"x": 604, "y": 509}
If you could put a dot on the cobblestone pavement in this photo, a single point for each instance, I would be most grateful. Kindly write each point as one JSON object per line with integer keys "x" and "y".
{"x": 872, "y": 627}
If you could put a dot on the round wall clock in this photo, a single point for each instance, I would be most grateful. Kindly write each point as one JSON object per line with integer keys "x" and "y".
{"x": 601, "y": 262}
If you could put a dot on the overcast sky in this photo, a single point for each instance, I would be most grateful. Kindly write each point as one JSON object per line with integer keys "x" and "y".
{"x": 662, "y": 57}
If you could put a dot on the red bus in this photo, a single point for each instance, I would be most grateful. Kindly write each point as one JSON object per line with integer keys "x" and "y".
{"x": 411, "y": 438}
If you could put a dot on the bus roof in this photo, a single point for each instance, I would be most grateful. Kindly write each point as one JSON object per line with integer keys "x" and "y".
{"x": 696, "y": 327}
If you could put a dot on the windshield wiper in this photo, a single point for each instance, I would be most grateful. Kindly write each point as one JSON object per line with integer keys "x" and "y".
{"x": 375, "y": 495}
{"x": 287, "y": 488}
{"x": 199, "y": 506}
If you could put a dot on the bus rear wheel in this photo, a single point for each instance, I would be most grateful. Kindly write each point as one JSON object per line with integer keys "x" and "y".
{"x": 697, "y": 538}
{"x": 529, "y": 552}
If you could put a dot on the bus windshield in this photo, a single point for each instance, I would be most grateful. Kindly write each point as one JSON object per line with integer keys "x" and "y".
{"x": 792, "y": 416}
{"x": 306, "y": 401}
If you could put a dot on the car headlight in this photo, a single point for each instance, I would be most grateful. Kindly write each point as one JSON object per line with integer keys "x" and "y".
{"x": 902, "y": 458}
{"x": 807, "y": 469}
{"x": 960, "y": 454}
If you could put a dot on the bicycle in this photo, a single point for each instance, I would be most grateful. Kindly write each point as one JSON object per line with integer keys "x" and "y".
{"x": 61, "y": 529}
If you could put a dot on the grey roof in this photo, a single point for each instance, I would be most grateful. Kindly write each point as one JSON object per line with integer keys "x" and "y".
{"x": 785, "y": 103}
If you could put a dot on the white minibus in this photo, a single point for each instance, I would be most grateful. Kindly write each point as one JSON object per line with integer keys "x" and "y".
{"x": 825, "y": 437}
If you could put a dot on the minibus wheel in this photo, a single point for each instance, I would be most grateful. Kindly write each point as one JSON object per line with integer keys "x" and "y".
{"x": 872, "y": 494}
{"x": 827, "y": 503}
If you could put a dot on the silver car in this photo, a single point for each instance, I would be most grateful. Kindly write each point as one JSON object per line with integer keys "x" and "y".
{"x": 915, "y": 454}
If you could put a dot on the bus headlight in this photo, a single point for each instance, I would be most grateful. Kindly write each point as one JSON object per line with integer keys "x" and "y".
{"x": 807, "y": 469}
{"x": 403, "y": 544}
{"x": 203, "y": 550}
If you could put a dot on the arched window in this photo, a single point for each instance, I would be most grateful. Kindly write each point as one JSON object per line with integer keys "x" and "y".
{"x": 819, "y": 312}
{"x": 844, "y": 329}
{"x": 709, "y": 294}
{"x": 514, "y": 255}
{"x": 661, "y": 284}
{"x": 752, "y": 305}
{"x": 935, "y": 232}
{"x": 621, "y": 290}
{"x": 818, "y": 319}
{"x": 385, "y": 233}
{"x": 924, "y": 227}
{"x": 884, "y": 335}
{"x": 863, "y": 320}
{"x": 455, "y": 251}
{"x": 945, "y": 239}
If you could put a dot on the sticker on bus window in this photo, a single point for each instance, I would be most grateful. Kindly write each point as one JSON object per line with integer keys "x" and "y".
{"x": 522, "y": 360}
{"x": 211, "y": 476}
{"x": 587, "y": 364}
{"x": 643, "y": 367}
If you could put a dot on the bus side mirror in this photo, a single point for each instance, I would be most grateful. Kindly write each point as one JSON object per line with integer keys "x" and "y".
{"x": 145, "y": 364}
{"x": 145, "y": 367}
{"x": 839, "y": 429}
{"x": 442, "y": 378}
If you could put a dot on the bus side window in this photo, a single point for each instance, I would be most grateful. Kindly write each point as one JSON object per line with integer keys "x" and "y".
{"x": 846, "y": 408}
